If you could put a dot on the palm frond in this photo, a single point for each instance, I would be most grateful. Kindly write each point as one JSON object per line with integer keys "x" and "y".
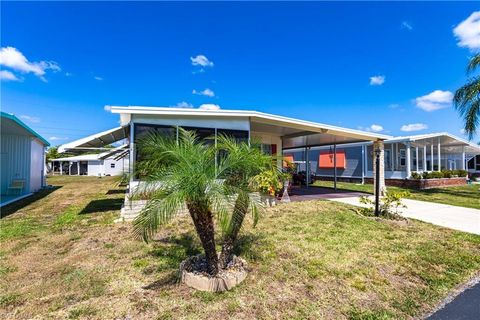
{"x": 474, "y": 63}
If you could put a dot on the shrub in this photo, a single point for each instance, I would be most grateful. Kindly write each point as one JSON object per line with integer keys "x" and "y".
{"x": 416, "y": 175}
{"x": 447, "y": 173}
{"x": 461, "y": 173}
{"x": 390, "y": 205}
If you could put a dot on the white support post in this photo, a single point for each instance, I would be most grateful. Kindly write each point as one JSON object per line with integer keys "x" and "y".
{"x": 365, "y": 160}
{"x": 391, "y": 158}
{"x": 408, "y": 160}
{"x": 431, "y": 157}
{"x": 363, "y": 163}
{"x": 396, "y": 156}
{"x": 69, "y": 168}
{"x": 61, "y": 169}
{"x": 439, "y": 160}
{"x": 418, "y": 159}
{"x": 463, "y": 159}
{"x": 131, "y": 162}
{"x": 307, "y": 166}
{"x": 78, "y": 168}
{"x": 425, "y": 158}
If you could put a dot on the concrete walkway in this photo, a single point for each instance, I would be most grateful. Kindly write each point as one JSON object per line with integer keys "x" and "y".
{"x": 453, "y": 217}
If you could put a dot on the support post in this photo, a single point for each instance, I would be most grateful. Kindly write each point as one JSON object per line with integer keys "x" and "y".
{"x": 418, "y": 159}
{"x": 463, "y": 159}
{"x": 431, "y": 157}
{"x": 61, "y": 169}
{"x": 391, "y": 158}
{"x": 307, "y": 167}
{"x": 377, "y": 153}
{"x": 408, "y": 160}
{"x": 131, "y": 163}
{"x": 439, "y": 160}
{"x": 363, "y": 164}
{"x": 379, "y": 169}
{"x": 425, "y": 158}
{"x": 78, "y": 168}
{"x": 335, "y": 167}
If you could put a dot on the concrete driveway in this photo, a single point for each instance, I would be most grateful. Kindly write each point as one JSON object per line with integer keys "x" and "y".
{"x": 453, "y": 217}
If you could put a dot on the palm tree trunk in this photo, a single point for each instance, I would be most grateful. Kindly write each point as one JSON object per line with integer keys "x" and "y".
{"x": 203, "y": 220}
{"x": 239, "y": 212}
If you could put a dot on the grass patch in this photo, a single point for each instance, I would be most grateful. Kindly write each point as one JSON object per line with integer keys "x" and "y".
{"x": 463, "y": 196}
{"x": 82, "y": 311}
{"x": 314, "y": 259}
{"x": 19, "y": 228}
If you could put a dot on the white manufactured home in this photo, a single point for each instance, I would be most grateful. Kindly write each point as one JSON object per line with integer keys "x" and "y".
{"x": 275, "y": 133}
{"x": 101, "y": 164}
{"x": 22, "y": 159}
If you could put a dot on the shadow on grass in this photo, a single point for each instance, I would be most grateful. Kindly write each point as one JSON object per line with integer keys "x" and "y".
{"x": 103, "y": 205}
{"x": 20, "y": 204}
{"x": 116, "y": 191}
{"x": 168, "y": 280}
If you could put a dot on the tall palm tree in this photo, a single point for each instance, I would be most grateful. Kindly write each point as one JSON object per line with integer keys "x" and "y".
{"x": 467, "y": 99}
{"x": 187, "y": 174}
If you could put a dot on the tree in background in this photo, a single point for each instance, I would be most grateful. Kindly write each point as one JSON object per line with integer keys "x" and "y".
{"x": 467, "y": 99}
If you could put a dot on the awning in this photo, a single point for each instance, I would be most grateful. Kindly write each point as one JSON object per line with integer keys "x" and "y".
{"x": 115, "y": 151}
{"x": 96, "y": 141}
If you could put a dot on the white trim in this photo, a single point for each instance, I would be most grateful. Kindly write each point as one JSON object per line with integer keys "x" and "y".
{"x": 254, "y": 116}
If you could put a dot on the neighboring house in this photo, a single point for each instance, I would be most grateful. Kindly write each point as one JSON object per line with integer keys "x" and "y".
{"x": 402, "y": 156}
{"x": 22, "y": 159}
{"x": 102, "y": 164}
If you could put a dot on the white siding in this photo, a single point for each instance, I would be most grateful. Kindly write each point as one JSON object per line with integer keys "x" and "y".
{"x": 15, "y": 160}
{"x": 95, "y": 167}
{"x": 36, "y": 165}
{"x": 120, "y": 166}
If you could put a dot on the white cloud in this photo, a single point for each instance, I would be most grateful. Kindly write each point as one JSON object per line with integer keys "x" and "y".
{"x": 414, "y": 127}
{"x": 98, "y": 78}
{"x": 201, "y": 60}
{"x": 406, "y": 25}
{"x": 468, "y": 32}
{"x": 376, "y": 128}
{"x": 6, "y": 75}
{"x": 183, "y": 105}
{"x": 11, "y": 58}
{"x": 435, "y": 100}
{"x": 54, "y": 138}
{"x": 30, "y": 118}
{"x": 209, "y": 106}
{"x": 377, "y": 80}
{"x": 207, "y": 92}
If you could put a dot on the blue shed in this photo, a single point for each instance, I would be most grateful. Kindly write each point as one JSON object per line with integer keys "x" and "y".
{"x": 22, "y": 159}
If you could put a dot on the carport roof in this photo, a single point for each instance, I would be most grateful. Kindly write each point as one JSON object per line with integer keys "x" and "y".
{"x": 10, "y": 123}
{"x": 95, "y": 141}
{"x": 288, "y": 126}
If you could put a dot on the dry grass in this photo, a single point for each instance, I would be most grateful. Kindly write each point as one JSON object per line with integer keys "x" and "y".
{"x": 308, "y": 260}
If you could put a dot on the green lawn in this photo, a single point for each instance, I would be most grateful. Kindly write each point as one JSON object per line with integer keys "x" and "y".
{"x": 62, "y": 257}
{"x": 463, "y": 196}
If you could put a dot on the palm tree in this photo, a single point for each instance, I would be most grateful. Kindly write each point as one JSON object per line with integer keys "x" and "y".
{"x": 467, "y": 99}
{"x": 246, "y": 161}
{"x": 187, "y": 174}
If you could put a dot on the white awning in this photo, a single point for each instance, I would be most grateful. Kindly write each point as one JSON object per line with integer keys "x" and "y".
{"x": 96, "y": 141}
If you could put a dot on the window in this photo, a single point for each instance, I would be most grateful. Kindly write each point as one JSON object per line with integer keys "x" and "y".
{"x": 239, "y": 135}
{"x": 112, "y": 165}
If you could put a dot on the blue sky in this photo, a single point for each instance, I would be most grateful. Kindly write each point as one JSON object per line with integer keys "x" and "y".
{"x": 371, "y": 66}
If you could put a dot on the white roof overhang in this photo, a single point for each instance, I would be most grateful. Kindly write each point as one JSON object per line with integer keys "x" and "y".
{"x": 96, "y": 141}
{"x": 297, "y": 131}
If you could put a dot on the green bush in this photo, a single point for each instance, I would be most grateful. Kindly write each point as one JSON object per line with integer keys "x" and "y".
{"x": 447, "y": 173}
{"x": 441, "y": 174}
{"x": 417, "y": 175}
